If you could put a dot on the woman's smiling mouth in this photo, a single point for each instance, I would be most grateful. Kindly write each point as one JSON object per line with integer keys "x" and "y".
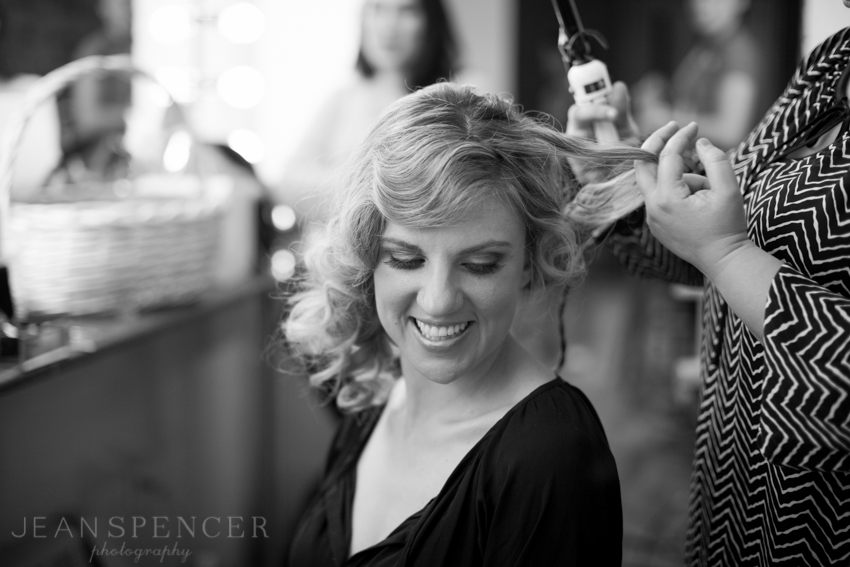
{"x": 440, "y": 333}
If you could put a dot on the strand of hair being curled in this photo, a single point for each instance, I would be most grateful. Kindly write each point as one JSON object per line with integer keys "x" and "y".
{"x": 434, "y": 156}
{"x": 596, "y": 206}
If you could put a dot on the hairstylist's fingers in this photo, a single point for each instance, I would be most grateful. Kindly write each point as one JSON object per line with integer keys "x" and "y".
{"x": 717, "y": 167}
{"x": 656, "y": 141}
{"x": 671, "y": 165}
{"x": 645, "y": 177}
{"x": 680, "y": 142}
{"x": 695, "y": 182}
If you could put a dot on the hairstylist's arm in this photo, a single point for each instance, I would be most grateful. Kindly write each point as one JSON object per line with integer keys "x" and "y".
{"x": 701, "y": 219}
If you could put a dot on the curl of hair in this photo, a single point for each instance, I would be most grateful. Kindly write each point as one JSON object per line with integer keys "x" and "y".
{"x": 430, "y": 160}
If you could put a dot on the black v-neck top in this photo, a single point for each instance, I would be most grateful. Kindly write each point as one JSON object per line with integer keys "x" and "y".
{"x": 540, "y": 488}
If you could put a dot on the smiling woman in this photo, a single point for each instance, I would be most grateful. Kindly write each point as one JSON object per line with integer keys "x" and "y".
{"x": 446, "y": 296}
{"x": 464, "y": 449}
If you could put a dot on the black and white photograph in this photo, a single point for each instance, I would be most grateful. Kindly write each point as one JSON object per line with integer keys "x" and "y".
{"x": 425, "y": 283}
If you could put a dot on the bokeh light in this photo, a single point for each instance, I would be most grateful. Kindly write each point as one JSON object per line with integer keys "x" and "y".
{"x": 173, "y": 23}
{"x": 283, "y": 265}
{"x": 242, "y": 22}
{"x": 175, "y": 158}
{"x": 283, "y": 217}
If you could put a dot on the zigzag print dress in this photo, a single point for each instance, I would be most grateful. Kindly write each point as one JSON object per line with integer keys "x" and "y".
{"x": 771, "y": 473}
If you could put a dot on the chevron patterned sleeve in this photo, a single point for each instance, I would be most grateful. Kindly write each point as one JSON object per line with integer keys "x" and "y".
{"x": 805, "y": 417}
{"x": 642, "y": 255}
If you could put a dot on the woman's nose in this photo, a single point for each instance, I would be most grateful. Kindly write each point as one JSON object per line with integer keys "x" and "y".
{"x": 440, "y": 295}
{"x": 386, "y": 20}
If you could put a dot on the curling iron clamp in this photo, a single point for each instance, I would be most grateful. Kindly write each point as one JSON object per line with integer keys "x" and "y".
{"x": 588, "y": 77}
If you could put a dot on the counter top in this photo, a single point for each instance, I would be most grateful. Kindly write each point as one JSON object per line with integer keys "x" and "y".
{"x": 86, "y": 336}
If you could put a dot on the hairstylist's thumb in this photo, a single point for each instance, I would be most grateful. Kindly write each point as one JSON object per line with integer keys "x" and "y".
{"x": 718, "y": 169}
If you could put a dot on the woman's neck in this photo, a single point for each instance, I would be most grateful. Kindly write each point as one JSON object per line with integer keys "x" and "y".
{"x": 391, "y": 81}
{"x": 418, "y": 402}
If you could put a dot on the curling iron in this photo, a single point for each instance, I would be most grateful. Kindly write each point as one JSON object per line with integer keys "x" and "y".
{"x": 588, "y": 77}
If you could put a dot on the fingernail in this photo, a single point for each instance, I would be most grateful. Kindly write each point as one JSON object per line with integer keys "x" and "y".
{"x": 672, "y": 123}
{"x": 692, "y": 124}
{"x": 703, "y": 143}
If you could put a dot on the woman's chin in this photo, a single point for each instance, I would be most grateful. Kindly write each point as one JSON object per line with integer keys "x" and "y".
{"x": 442, "y": 374}
{"x": 390, "y": 63}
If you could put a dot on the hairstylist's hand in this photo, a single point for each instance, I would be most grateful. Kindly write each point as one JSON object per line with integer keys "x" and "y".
{"x": 580, "y": 118}
{"x": 700, "y": 219}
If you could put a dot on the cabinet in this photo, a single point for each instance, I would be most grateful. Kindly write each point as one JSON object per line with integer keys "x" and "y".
{"x": 175, "y": 414}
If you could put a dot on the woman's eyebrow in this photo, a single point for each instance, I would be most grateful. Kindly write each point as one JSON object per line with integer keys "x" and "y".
{"x": 471, "y": 250}
{"x": 398, "y": 243}
{"x": 487, "y": 244}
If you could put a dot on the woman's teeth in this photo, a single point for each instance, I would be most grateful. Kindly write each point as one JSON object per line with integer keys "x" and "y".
{"x": 434, "y": 333}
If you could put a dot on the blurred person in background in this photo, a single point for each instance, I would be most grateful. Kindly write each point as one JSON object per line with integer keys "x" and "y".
{"x": 717, "y": 82}
{"x": 404, "y": 45}
{"x": 769, "y": 238}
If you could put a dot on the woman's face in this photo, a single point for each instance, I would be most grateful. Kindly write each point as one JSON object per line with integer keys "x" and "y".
{"x": 393, "y": 34}
{"x": 446, "y": 296}
{"x": 716, "y": 17}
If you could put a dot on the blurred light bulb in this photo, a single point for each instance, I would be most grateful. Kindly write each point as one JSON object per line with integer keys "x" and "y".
{"x": 283, "y": 217}
{"x": 247, "y": 144}
{"x": 242, "y": 22}
{"x": 172, "y": 23}
{"x": 241, "y": 87}
{"x": 181, "y": 82}
{"x": 175, "y": 158}
{"x": 283, "y": 265}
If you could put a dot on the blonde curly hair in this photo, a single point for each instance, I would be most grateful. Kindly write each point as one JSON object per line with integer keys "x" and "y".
{"x": 435, "y": 154}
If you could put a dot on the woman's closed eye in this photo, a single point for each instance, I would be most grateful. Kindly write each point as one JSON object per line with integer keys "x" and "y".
{"x": 483, "y": 267}
{"x": 404, "y": 262}
{"x": 479, "y": 267}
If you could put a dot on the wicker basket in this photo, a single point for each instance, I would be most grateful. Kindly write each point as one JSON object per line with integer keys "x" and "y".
{"x": 71, "y": 256}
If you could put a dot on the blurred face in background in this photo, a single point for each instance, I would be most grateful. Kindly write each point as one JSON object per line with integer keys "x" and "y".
{"x": 393, "y": 34}
{"x": 716, "y": 17}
